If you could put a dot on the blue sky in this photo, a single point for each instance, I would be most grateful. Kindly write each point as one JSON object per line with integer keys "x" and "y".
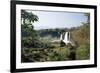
{"x": 51, "y": 20}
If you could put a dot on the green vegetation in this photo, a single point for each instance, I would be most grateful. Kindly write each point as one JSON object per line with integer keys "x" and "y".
{"x": 83, "y": 52}
{"x": 39, "y": 45}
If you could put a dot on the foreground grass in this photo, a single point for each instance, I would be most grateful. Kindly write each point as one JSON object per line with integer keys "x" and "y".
{"x": 53, "y": 54}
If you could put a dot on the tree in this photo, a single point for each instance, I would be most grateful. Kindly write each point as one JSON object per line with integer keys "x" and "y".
{"x": 28, "y": 17}
{"x": 29, "y": 35}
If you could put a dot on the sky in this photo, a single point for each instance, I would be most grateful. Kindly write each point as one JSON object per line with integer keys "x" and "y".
{"x": 52, "y": 20}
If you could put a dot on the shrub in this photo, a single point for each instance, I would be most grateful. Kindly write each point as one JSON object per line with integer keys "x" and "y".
{"x": 83, "y": 52}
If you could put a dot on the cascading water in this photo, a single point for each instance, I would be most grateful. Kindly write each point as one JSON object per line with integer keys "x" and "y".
{"x": 66, "y": 38}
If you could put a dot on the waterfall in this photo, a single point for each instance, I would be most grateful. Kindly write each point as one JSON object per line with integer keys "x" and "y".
{"x": 66, "y": 36}
{"x": 66, "y": 39}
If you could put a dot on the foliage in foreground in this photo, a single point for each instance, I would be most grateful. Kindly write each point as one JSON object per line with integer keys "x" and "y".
{"x": 53, "y": 54}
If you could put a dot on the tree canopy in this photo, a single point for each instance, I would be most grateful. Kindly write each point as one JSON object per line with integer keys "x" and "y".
{"x": 28, "y": 17}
